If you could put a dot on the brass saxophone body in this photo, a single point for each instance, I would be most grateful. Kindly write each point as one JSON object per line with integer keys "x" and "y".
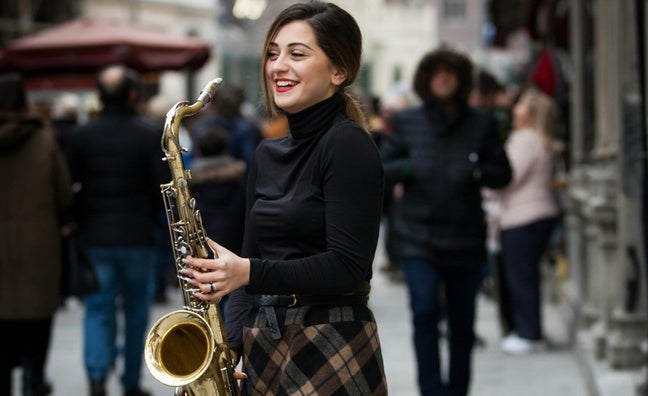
{"x": 188, "y": 348}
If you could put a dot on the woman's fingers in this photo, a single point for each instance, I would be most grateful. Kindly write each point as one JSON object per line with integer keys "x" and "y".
{"x": 212, "y": 244}
{"x": 214, "y": 277}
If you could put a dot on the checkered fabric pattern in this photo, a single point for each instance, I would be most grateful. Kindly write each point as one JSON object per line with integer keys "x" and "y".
{"x": 324, "y": 350}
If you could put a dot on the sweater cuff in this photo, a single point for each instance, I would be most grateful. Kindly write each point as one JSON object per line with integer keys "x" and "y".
{"x": 255, "y": 269}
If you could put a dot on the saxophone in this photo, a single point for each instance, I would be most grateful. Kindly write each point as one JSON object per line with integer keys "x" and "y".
{"x": 188, "y": 348}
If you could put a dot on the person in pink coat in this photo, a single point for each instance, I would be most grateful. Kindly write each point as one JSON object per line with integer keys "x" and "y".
{"x": 529, "y": 213}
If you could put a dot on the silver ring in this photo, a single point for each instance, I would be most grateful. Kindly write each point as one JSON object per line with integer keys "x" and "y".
{"x": 211, "y": 286}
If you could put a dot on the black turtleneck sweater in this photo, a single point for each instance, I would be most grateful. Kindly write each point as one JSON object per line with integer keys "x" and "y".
{"x": 314, "y": 207}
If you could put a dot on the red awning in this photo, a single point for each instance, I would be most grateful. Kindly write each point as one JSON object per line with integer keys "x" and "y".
{"x": 87, "y": 44}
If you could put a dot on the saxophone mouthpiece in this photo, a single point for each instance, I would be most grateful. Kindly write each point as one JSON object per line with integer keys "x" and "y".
{"x": 208, "y": 92}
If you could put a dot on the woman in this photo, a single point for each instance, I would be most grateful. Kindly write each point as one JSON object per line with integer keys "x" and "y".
{"x": 301, "y": 320}
{"x": 528, "y": 215}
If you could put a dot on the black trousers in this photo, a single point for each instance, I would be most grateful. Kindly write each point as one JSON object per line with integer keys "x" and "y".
{"x": 522, "y": 250}
{"x": 25, "y": 344}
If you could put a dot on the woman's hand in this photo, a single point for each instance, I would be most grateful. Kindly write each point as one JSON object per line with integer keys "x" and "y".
{"x": 219, "y": 276}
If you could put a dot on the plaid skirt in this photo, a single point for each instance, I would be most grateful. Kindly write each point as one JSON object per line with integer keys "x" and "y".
{"x": 323, "y": 350}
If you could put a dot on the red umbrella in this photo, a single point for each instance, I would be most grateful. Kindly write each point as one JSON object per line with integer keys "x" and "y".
{"x": 88, "y": 44}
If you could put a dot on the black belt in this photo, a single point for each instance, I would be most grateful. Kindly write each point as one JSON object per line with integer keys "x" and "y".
{"x": 295, "y": 300}
{"x": 269, "y": 301}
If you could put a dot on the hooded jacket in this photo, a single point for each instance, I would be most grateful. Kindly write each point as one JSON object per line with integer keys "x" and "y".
{"x": 443, "y": 152}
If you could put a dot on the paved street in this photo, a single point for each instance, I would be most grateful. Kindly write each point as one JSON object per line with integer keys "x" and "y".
{"x": 555, "y": 372}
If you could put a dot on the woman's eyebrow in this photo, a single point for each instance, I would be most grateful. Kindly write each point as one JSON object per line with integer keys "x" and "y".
{"x": 295, "y": 44}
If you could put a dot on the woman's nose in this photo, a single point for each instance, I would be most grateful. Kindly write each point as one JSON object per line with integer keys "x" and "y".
{"x": 278, "y": 64}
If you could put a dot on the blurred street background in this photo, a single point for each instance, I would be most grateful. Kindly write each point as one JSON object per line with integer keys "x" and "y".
{"x": 589, "y": 55}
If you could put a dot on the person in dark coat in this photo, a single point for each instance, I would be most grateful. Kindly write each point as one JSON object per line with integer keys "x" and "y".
{"x": 243, "y": 134}
{"x": 36, "y": 191}
{"x": 443, "y": 152}
{"x": 116, "y": 158}
{"x": 218, "y": 184}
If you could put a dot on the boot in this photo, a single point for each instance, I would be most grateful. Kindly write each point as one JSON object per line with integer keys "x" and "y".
{"x": 137, "y": 391}
{"x": 97, "y": 387}
{"x": 33, "y": 382}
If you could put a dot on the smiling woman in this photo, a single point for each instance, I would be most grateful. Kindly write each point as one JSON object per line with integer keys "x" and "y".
{"x": 297, "y": 312}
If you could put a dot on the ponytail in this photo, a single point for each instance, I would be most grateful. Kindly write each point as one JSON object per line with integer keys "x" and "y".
{"x": 354, "y": 109}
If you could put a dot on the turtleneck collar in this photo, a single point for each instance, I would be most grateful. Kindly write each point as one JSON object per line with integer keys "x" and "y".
{"x": 316, "y": 118}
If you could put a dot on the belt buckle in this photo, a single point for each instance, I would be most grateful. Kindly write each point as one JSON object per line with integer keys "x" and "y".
{"x": 294, "y": 301}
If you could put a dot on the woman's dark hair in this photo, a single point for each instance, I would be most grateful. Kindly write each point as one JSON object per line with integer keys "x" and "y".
{"x": 429, "y": 65}
{"x": 338, "y": 35}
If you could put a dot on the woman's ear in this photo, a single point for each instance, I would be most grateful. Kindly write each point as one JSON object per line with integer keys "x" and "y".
{"x": 338, "y": 77}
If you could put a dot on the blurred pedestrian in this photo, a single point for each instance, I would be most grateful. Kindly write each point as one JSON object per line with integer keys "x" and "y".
{"x": 218, "y": 184}
{"x": 491, "y": 96}
{"x": 65, "y": 118}
{"x": 389, "y": 104}
{"x": 37, "y": 191}
{"x": 117, "y": 161}
{"x": 443, "y": 152}
{"x": 298, "y": 312}
{"x": 243, "y": 134}
{"x": 273, "y": 127}
{"x": 529, "y": 213}
{"x": 165, "y": 269}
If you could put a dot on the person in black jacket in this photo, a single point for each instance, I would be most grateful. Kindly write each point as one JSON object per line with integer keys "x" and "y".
{"x": 116, "y": 158}
{"x": 443, "y": 152}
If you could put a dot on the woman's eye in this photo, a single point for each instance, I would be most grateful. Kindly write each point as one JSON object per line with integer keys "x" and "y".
{"x": 272, "y": 55}
{"x": 296, "y": 54}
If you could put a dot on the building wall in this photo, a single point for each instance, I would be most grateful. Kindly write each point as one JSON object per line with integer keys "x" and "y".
{"x": 396, "y": 34}
{"x": 606, "y": 299}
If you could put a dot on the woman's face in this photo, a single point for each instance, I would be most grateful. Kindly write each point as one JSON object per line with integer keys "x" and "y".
{"x": 521, "y": 114}
{"x": 297, "y": 69}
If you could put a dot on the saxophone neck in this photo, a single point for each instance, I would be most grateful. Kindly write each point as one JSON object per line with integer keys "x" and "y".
{"x": 170, "y": 137}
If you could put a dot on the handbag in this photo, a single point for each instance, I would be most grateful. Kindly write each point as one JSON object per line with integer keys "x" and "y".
{"x": 79, "y": 277}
